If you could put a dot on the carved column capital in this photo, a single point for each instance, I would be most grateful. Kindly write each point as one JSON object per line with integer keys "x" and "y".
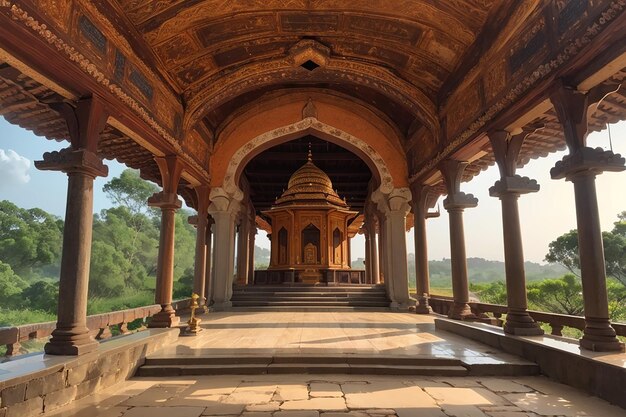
{"x": 222, "y": 202}
{"x": 587, "y": 161}
{"x": 423, "y": 198}
{"x": 165, "y": 200}
{"x": 71, "y": 160}
{"x": 394, "y": 203}
{"x": 513, "y": 185}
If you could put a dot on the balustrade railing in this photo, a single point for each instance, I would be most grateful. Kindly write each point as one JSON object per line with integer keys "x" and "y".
{"x": 556, "y": 321}
{"x": 99, "y": 324}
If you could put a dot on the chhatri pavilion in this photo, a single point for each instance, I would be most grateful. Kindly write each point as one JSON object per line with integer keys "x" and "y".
{"x": 311, "y": 222}
{"x": 399, "y": 103}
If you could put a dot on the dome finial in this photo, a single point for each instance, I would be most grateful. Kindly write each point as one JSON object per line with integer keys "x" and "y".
{"x": 310, "y": 155}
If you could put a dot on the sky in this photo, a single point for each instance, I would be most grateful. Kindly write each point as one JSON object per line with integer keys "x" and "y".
{"x": 544, "y": 215}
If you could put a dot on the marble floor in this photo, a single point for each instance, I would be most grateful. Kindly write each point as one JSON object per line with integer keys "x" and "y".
{"x": 340, "y": 396}
{"x": 304, "y": 395}
{"x": 329, "y": 333}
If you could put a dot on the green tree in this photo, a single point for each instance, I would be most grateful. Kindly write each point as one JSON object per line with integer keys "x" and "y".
{"x": 564, "y": 250}
{"x": 42, "y": 296}
{"x": 562, "y": 295}
{"x": 29, "y": 238}
{"x": 130, "y": 191}
{"x": 108, "y": 267}
{"x": 11, "y": 285}
{"x": 493, "y": 293}
{"x": 615, "y": 249}
{"x": 185, "y": 241}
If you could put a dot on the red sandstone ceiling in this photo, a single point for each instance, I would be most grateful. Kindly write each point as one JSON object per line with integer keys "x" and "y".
{"x": 391, "y": 54}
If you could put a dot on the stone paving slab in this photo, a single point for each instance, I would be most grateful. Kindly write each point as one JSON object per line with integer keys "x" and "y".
{"x": 347, "y": 396}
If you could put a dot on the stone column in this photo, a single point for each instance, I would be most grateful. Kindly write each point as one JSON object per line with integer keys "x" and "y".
{"x": 423, "y": 199}
{"x": 223, "y": 209}
{"x": 455, "y": 204}
{"x": 251, "y": 242}
{"x": 81, "y": 164}
{"x": 395, "y": 207}
{"x": 371, "y": 250}
{"x": 208, "y": 276}
{"x": 167, "y": 200}
{"x": 508, "y": 189}
{"x": 367, "y": 260}
{"x": 581, "y": 166}
{"x": 201, "y": 222}
{"x": 243, "y": 247}
{"x": 382, "y": 270}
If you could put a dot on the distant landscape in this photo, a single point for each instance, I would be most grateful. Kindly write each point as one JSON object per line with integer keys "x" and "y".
{"x": 480, "y": 271}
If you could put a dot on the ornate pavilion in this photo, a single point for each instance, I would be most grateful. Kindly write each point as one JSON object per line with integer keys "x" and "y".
{"x": 211, "y": 100}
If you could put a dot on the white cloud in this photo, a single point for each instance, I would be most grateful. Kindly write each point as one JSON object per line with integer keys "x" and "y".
{"x": 13, "y": 169}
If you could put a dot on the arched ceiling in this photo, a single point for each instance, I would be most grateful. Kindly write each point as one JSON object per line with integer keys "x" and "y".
{"x": 392, "y": 54}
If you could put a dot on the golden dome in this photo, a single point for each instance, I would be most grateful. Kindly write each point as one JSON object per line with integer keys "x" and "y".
{"x": 310, "y": 185}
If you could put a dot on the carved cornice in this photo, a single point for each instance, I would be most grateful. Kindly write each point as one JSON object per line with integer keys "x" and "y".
{"x": 573, "y": 48}
{"x": 20, "y": 15}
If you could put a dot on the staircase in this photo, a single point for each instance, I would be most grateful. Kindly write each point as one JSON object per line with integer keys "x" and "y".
{"x": 259, "y": 364}
{"x": 310, "y": 297}
{"x": 180, "y": 365}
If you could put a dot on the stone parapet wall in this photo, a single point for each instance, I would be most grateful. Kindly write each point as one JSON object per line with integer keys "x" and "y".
{"x": 34, "y": 384}
{"x": 558, "y": 358}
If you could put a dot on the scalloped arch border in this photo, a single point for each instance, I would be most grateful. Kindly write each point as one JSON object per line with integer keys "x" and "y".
{"x": 309, "y": 124}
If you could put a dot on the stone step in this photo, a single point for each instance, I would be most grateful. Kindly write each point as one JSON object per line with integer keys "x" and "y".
{"x": 299, "y": 368}
{"x": 180, "y": 365}
{"x": 325, "y": 309}
{"x": 308, "y": 294}
{"x": 311, "y": 288}
{"x": 297, "y": 359}
{"x": 221, "y": 365}
{"x": 307, "y": 303}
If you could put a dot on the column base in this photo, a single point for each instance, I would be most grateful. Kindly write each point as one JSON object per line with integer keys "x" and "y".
{"x": 74, "y": 342}
{"x": 165, "y": 318}
{"x": 461, "y": 311}
{"x": 519, "y": 323}
{"x": 423, "y": 309}
{"x": 402, "y": 306}
{"x": 217, "y": 306}
{"x": 599, "y": 336}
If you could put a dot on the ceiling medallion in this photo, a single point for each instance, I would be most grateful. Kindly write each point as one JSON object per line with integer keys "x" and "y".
{"x": 309, "y": 54}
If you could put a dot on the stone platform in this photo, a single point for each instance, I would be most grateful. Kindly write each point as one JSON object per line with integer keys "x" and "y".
{"x": 340, "y": 396}
{"x": 329, "y": 342}
{"x": 237, "y": 339}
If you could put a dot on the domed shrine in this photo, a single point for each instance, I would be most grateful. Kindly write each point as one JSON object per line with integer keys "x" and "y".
{"x": 309, "y": 230}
